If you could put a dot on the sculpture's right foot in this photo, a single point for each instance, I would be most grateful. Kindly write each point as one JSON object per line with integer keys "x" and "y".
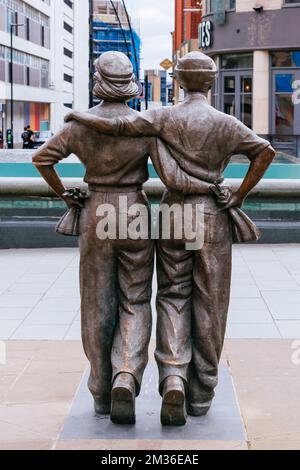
{"x": 123, "y": 400}
{"x": 173, "y": 411}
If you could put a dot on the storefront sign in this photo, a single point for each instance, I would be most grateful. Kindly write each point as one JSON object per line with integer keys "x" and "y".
{"x": 205, "y": 34}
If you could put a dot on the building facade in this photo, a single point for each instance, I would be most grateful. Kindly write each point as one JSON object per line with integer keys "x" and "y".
{"x": 157, "y": 93}
{"x": 111, "y": 32}
{"x": 256, "y": 46}
{"x": 188, "y": 14}
{"x": 50, "y": 46}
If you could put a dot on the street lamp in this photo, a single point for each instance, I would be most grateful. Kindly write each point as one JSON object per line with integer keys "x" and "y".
{"x": 12, "y": 26}
{"x": 91, "y": 54}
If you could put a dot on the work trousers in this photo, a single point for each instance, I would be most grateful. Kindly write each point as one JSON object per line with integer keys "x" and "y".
{"x": 192, "y": 302}
{"x": 116, "y": 288}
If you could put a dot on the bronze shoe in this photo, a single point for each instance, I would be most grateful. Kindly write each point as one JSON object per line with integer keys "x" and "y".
{"x": 102, "y": 407}
{"x": 199, "y": 411}
{"x": 123, "y": 400}
{"x": 173, "y": 411}
{"x": 199, "y": 406}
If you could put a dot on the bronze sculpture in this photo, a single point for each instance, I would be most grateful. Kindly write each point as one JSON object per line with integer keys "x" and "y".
{"x": 115, "y": 274}
{"x": 194, "y": 288}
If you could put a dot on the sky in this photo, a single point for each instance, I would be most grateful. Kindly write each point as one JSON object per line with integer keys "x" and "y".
{"x": 156, "y": 18}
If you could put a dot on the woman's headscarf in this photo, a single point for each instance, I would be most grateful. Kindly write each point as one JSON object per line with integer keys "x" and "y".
{"x": 114, "y": 78}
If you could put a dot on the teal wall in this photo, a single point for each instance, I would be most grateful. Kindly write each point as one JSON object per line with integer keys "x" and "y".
{"x": 76, "y": 170}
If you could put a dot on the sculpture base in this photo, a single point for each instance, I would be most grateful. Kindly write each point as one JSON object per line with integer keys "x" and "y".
{"x": 223, "y": 423}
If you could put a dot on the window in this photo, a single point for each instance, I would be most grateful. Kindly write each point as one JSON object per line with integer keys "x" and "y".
{"x": 68, "y": 28}
{"x": 68, "y": 78}
{"x": 286, "y": 70}
{"x": 214, "y": 93}
{"x": 27, "y": 25}
{"x": 286, "y": 59}
{"x": 11, "y": 19}
{"x": 68, "y": 53}
{"x": 43, "y": 36}
{"x": 69, "y": 3}
{"x": 237, "y": 61}
{"x": 229, "y": 5}
{"x": 45, "y": 74}
{"x": 209, "y": 6}
{"x": 291, "y": 2}
{"x": 29, "y": 66}
{"x": 27, "y": 76}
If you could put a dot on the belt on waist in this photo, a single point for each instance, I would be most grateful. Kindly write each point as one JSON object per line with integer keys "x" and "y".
{"x": 97, "y": 188}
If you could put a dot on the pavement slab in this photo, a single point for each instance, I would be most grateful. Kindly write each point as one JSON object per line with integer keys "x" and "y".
{"x": 39, "y": 293}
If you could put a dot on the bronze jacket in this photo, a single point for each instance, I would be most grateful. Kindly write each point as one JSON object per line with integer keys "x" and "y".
{"x": 201, "y": 139}
{"x": 114, "y": 161}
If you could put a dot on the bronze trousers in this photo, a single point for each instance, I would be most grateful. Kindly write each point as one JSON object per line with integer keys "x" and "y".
{"x": 192, "y": 303}
{"x": 116, "y": 288}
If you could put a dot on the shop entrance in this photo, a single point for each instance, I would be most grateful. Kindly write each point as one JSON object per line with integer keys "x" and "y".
{"x": 237, "y": 89}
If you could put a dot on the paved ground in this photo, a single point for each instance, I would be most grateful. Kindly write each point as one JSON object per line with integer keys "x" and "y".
{"x": 39, "y": 381}
{"x": 24, "y": 156}
{"x": 39, "y": 301}
{"x": 39, "y": 293}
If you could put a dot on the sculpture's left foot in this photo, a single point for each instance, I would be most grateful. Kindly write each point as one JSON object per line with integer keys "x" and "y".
{"x": 173, "y": 411}
{"x": 123, "y": 400}
{"x": 199, "y": 409}
{"x": 102, "y": 407}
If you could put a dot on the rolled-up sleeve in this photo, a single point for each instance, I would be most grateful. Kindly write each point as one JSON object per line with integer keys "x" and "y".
{"x": 55, "y": 149}
{"x": 245, "y": 142}
{"x": 147, "y": 124}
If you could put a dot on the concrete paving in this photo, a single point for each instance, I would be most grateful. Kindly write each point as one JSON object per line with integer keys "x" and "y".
{"x": 39, "y": 380}
{"x": 42, "y": 364}
{"x": 39, "y": 293}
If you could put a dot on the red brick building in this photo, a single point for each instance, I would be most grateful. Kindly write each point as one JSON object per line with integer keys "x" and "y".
{"x": 188, "y": 15}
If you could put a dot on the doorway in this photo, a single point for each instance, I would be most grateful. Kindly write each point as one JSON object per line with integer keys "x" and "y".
{"x": 237, "y": 90}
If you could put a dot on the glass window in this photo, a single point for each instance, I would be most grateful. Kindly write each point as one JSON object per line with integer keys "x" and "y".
{"x": 246, "y": 110}
{"x": 209, "y": 6}
{"x": 230, "y": 4}
{"x": 11, "y": 19}
{"x": 284, "y": 115}
{"x": 284, "y": 82}
{"x": 229, "y": 104}
{"x": 286, "y": 59}
{"x": 229, "y": 85}
{"x": 214, "y": 93}
{"x": 246, "y": 100}
{"x": 246, "y": 84}
{"x": 237, "y": 61}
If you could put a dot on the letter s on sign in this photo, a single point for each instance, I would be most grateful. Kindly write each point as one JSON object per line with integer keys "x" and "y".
{"x": 208, "y": 36}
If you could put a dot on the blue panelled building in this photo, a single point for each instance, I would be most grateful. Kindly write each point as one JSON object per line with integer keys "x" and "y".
{"x": 111, "y": 32}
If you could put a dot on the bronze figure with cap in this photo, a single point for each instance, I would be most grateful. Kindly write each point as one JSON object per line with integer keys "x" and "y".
{"x": 194, "y": 287}
{"x": 115, "y": 274}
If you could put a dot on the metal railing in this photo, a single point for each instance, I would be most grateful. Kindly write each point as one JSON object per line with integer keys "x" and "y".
{"x": 36, "y": 187}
